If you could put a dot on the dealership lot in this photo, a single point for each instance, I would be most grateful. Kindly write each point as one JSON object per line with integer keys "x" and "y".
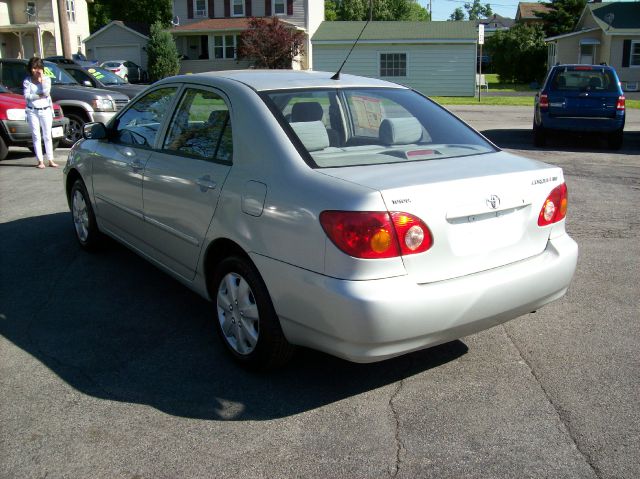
{"x": 109, "y": 368}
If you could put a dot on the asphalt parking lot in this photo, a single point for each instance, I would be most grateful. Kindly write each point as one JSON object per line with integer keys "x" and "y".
{"x": 111, "y": 369}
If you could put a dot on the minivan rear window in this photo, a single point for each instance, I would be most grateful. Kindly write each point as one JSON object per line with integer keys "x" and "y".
{"x": 584, "y": 79}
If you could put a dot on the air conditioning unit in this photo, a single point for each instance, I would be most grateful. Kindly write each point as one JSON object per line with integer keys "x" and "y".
{"x": 631, "y": 86}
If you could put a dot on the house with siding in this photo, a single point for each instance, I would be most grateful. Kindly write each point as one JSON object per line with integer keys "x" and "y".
{"x": 119, "y": 40}
{"x": 435, "y": 58}
{"x": 207, "y": 31}
{"x": 29, "y": 28}
{"x": 607, "y": 32}
{"x": 526, "y": 12}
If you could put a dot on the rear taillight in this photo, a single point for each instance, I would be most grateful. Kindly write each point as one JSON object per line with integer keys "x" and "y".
{"x": 554, "y": 208}
{"x": 544, "y": 101}
{"x": 376, "y": 234}
{"x": 620, "y": 105}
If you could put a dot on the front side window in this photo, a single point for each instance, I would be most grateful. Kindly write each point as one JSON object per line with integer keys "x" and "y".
{"x": 393, "y": 64}
{"x": 139, "y": 125}
{"x": 635, "y": 54}
{"x": 278, "y": 7}
{"x": 200, "y": 8}
{"x": 201, "y": 128}
{"x": 238, "y": 8}
{"x": 71, "y": 10}
{"x": 365, "y": 126}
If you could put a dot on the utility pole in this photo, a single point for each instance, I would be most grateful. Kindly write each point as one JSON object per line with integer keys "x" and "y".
{"x": 64, "y": 28}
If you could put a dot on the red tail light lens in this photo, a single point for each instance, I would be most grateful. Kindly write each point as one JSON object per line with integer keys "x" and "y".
{"x": 554, "y": 208}
{"x": 544, "y": 101}
{"x": 376, "y": 234}
{"x": 620, "y": 105}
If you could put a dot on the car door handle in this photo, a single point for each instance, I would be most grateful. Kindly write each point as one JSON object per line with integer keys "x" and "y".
{"x": 136, "y": 165}
{"x": 206, "y": 183}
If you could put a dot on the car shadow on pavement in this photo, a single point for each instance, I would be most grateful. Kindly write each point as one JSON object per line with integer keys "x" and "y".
{"x": 114, "y": 327}
{"x": 523, "y": 140}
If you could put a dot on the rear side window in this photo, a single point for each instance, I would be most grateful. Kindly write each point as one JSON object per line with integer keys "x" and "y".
{"x": 584, "y": 79}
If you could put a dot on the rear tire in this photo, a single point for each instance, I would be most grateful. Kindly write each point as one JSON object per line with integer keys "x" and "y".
{"x": 84, "y": 219}
{"x": 539, "y": 136}
{"x": 246, "y": 320}
{"x": 614, "y": 140}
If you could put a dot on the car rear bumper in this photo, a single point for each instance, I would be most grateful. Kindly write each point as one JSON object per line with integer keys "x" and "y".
{"x": 366, "y": 321}
{"x": 583, "y": 124}
{"x": 18, "y": 132}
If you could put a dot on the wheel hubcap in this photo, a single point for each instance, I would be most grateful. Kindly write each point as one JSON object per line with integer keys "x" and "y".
{"x": 74, "y": 131}
{"x": 80, "y": 216}
{"x": 238, "y": 313}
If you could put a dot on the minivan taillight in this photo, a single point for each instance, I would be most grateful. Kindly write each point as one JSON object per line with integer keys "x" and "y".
{"x": 620, "y": 105}
{"x": 554, "y": 208}
{"x": 544, "y": 101}
{"x": 376, "y": 234}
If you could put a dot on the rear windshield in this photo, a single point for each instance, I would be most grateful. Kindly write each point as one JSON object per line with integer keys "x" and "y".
{"x": 584, "y": 79}
{"x": 349, "y": 127}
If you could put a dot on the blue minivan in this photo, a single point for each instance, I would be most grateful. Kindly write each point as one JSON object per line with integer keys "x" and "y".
{"x": 580, "y": 98}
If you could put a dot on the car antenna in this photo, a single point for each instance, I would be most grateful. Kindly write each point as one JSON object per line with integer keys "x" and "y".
{"x": 336, "y": 75}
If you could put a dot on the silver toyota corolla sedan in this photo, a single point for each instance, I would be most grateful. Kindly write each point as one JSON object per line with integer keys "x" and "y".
{"x": 353, "y": 216}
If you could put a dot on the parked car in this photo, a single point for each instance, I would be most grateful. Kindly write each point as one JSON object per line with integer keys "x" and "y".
{"x": 354, "y": 216}
{"x": 76, "y": 59}
{"x": 126, "y": 69}
{"x": 580, "y": 98}
{"x": 80, "y": 105}
{"x": 97, "y": 77}
{"x": 14, "y": 129}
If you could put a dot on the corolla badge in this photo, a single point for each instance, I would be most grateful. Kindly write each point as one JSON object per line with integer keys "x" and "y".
{"x": 493, "y": 201}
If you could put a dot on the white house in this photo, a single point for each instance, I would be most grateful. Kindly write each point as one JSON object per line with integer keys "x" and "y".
{"x": 435, "y": 58}
{"x": 206, "y": 31}
{"x": 33, "y": 27}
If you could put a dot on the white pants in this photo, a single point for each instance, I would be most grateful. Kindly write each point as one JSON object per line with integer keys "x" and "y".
{"x": 41, "y": 120}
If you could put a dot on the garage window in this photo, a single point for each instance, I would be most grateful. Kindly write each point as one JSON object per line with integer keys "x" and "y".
{"x": 393, "y": 64}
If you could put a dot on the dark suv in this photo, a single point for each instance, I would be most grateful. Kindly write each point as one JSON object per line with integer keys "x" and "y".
{"x": 79, "y": 103}
{"x": 580, "y": 98}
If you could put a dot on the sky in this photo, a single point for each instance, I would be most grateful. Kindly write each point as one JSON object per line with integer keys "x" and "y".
{"x": 443, "y": 8}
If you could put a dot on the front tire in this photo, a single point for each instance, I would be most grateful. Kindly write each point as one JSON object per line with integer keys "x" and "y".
{"x": 84, "y": 219}
{"x": 74, "y": 130}
{"x": 246, "y": 320}
{"x": 4, "y": 150}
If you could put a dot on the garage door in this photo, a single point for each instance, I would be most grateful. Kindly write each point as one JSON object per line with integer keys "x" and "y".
{"x": 120, "y": 52}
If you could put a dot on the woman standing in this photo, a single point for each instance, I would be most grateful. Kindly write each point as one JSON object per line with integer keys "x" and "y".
{"x": 37, "y": 92}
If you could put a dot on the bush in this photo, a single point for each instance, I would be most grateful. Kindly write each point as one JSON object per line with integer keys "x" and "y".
{"x": 519, "y": 55}
{"x": 162, "y": 53}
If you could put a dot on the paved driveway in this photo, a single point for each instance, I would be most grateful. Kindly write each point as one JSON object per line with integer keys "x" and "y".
{"x": 110, "y": 369}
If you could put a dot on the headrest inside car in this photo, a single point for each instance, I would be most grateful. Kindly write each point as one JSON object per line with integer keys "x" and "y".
{"x": 312, "y": 134}
{"x": 306, "y": 111}
{"x": 400, "y": 131}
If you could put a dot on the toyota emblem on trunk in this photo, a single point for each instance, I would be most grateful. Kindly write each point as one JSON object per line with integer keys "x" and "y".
{"x": 493, "y": 201}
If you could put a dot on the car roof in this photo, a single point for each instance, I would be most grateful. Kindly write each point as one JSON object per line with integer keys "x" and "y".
{"x": 291, "y": 79}
{"x": 581, "y": 65}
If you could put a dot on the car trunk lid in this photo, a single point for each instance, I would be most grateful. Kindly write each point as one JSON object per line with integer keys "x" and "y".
{"x": 482, "y": 210}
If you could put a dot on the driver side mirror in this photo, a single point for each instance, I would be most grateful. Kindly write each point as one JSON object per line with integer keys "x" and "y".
{"x": 94, "y": 131}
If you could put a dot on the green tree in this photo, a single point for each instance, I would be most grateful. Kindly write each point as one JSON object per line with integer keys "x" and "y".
{"x": 270, "y": 43}
{"x": 382, "y": 10}
{"x": 562, "y": 16}
{"x": 457, "y": 15}
{"x": 162, "y": 53}
{"x": 476, "y": 10}
{"x": 519, "y": 54}
{"x": 101, "y": 12}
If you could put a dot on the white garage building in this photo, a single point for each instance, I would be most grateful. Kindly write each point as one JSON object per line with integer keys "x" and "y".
{"x": 119, "y": 40}
{"x": 435, "y": 58}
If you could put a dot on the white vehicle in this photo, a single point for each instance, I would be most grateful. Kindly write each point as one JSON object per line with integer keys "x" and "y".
{"x": 354, "y": 216}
